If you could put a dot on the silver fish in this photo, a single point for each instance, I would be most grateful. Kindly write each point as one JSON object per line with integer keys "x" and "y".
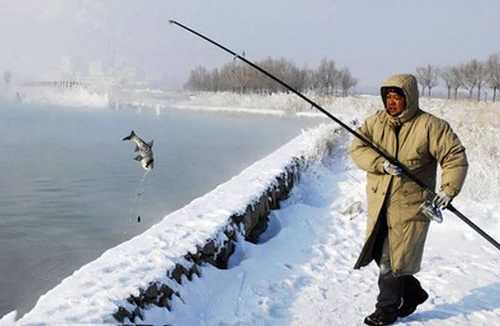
{"x": 145, "y": 152}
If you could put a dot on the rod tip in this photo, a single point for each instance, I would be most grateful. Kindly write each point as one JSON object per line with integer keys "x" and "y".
{"x": 171, "y": 21}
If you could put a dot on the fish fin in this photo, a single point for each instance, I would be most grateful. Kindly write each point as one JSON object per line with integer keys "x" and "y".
{"x": 150, "y": 144}
{"x": 132, "y": 134}
{"x": 138, "y": 158}
{"x": 150, "y": 163}
{"x": 136, "y": 148}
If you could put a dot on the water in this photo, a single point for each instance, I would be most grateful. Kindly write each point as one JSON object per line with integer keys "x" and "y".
{"x": 69, "y": 184}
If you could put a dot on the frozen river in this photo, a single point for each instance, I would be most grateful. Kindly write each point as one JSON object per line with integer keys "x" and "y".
{"x": 69, "y": 184}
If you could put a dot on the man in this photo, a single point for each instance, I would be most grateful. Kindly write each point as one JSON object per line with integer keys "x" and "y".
{"x": 396, "y": 227}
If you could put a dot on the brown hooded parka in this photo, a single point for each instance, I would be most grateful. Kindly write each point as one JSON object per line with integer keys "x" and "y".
{"x": 423, "y": 141}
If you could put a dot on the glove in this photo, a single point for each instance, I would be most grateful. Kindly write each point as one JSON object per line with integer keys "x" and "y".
{"x": 442, "y": 200}
{"x": 392, "y": 169}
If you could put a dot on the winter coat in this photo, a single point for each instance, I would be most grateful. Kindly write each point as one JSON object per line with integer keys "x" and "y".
{"x": 422, "y": 142}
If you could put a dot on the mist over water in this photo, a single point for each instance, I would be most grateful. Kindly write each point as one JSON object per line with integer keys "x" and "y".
{"x": 69, "y": 184}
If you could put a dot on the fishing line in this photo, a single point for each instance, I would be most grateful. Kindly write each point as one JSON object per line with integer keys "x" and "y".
{"x": 138, "y": 194}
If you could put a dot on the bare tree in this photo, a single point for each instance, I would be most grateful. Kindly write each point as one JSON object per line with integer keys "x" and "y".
{"x": 346, "y": 81}
{"x": 237, "y": 77}
{"x": 452, "y": 78}
{"x": 308, "y": 75}
{"x": 421, "y": 79}
{"x": 469, "y": 81}
{"x": 198, "y": 79}
{"x": 299, "y": 78}
{"x": 458, "y": 79}
{"x": 327, "y": 77}
{"x": 473, "y": 76}
{"x": 447, "y": 76}
{"x": 244, "y": 77}
{"x": 481, "y": 79}
{"x": 228, "y": 81}
{"x": 433, "y": 78}
{"x": 427, "y": 77}
{"x": 493, "y": 73}
{"x": 215, "y": 81}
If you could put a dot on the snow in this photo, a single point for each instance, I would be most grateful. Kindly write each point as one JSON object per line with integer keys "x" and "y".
{"x": 302, "y": 274}
{"x": 76, "y": 97}
{"x": 301, "y": 271}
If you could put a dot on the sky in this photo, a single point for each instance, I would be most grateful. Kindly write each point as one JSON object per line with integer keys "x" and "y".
{"x": 374, "y": 39}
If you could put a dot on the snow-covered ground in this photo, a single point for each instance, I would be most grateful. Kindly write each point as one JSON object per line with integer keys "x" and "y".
{"x": 301, "y": 272}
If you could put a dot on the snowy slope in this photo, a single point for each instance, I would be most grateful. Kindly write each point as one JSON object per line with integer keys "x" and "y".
{"x": 302, "y": 272}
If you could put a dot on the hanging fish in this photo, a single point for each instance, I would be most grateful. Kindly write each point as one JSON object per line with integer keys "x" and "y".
{"x": 144, "y": 150}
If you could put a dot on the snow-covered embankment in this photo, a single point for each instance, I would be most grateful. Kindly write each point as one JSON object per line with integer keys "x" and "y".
{"x": 148, "y": 269}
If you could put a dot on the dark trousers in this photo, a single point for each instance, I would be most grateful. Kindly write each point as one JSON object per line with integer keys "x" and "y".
{"x": 390, "y": 292}
{"x": 391, "y": 287}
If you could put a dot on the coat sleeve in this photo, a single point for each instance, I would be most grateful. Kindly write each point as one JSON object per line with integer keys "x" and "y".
{"x": 365, "y": 157}
{"x": 450, "y": 153}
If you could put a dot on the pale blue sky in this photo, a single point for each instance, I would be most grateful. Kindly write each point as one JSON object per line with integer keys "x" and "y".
{"x": 372, "y": 38}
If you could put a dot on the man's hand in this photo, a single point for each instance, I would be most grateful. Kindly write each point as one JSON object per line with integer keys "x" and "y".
{"x": 442, "y": 200}
{"x": 392, "y": 169}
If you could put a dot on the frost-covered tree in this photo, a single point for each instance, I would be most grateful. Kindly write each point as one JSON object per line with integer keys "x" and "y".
{"x": 235, "y": 76}
{"x": 244, "y": 76}
{"x": 215, "y": 81}
{"x": 427, "y": 77}
{"x": 458, "y": 78}
{"x": 308, "y": 76}
{"x": 327, "y": 77}
{"x": 198, "y": 79}
{"x": 481, "y": 79}
{"x": 347, "y": 82}
{"x": 300, "y": 78}
{"x": 447, "y": 77}
{"x": 493, "y": 73}
{"x": 473, "y": 77}
{"x": 421, "y": 81}
{"x": 452, "y": 79}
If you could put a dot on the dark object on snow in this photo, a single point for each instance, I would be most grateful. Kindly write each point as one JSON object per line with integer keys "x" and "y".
{"x": 391, "y": 291}
{"x": 381, "y": 317}
{"x": 144, "y": 149}
{"x": 413, "y": 296}
{"x": 139, "y": 219}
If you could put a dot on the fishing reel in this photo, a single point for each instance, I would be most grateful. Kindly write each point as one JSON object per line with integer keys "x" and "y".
{"x": 431, "y": 211}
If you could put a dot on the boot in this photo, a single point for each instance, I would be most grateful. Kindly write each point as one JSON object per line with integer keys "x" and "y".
{"x": 413, "y": 296}
{"x": 381, "y": 317}
{"x": 388, "y": 300}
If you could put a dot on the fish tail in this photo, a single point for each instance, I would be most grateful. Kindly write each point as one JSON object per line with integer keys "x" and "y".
{"x": 132, "y": 134}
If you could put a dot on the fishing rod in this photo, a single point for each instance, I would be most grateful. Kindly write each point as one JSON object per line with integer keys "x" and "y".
{"x": 365, "y": 140}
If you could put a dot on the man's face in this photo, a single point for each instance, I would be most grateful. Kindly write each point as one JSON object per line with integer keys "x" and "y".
{"x": 395, "y": 103}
